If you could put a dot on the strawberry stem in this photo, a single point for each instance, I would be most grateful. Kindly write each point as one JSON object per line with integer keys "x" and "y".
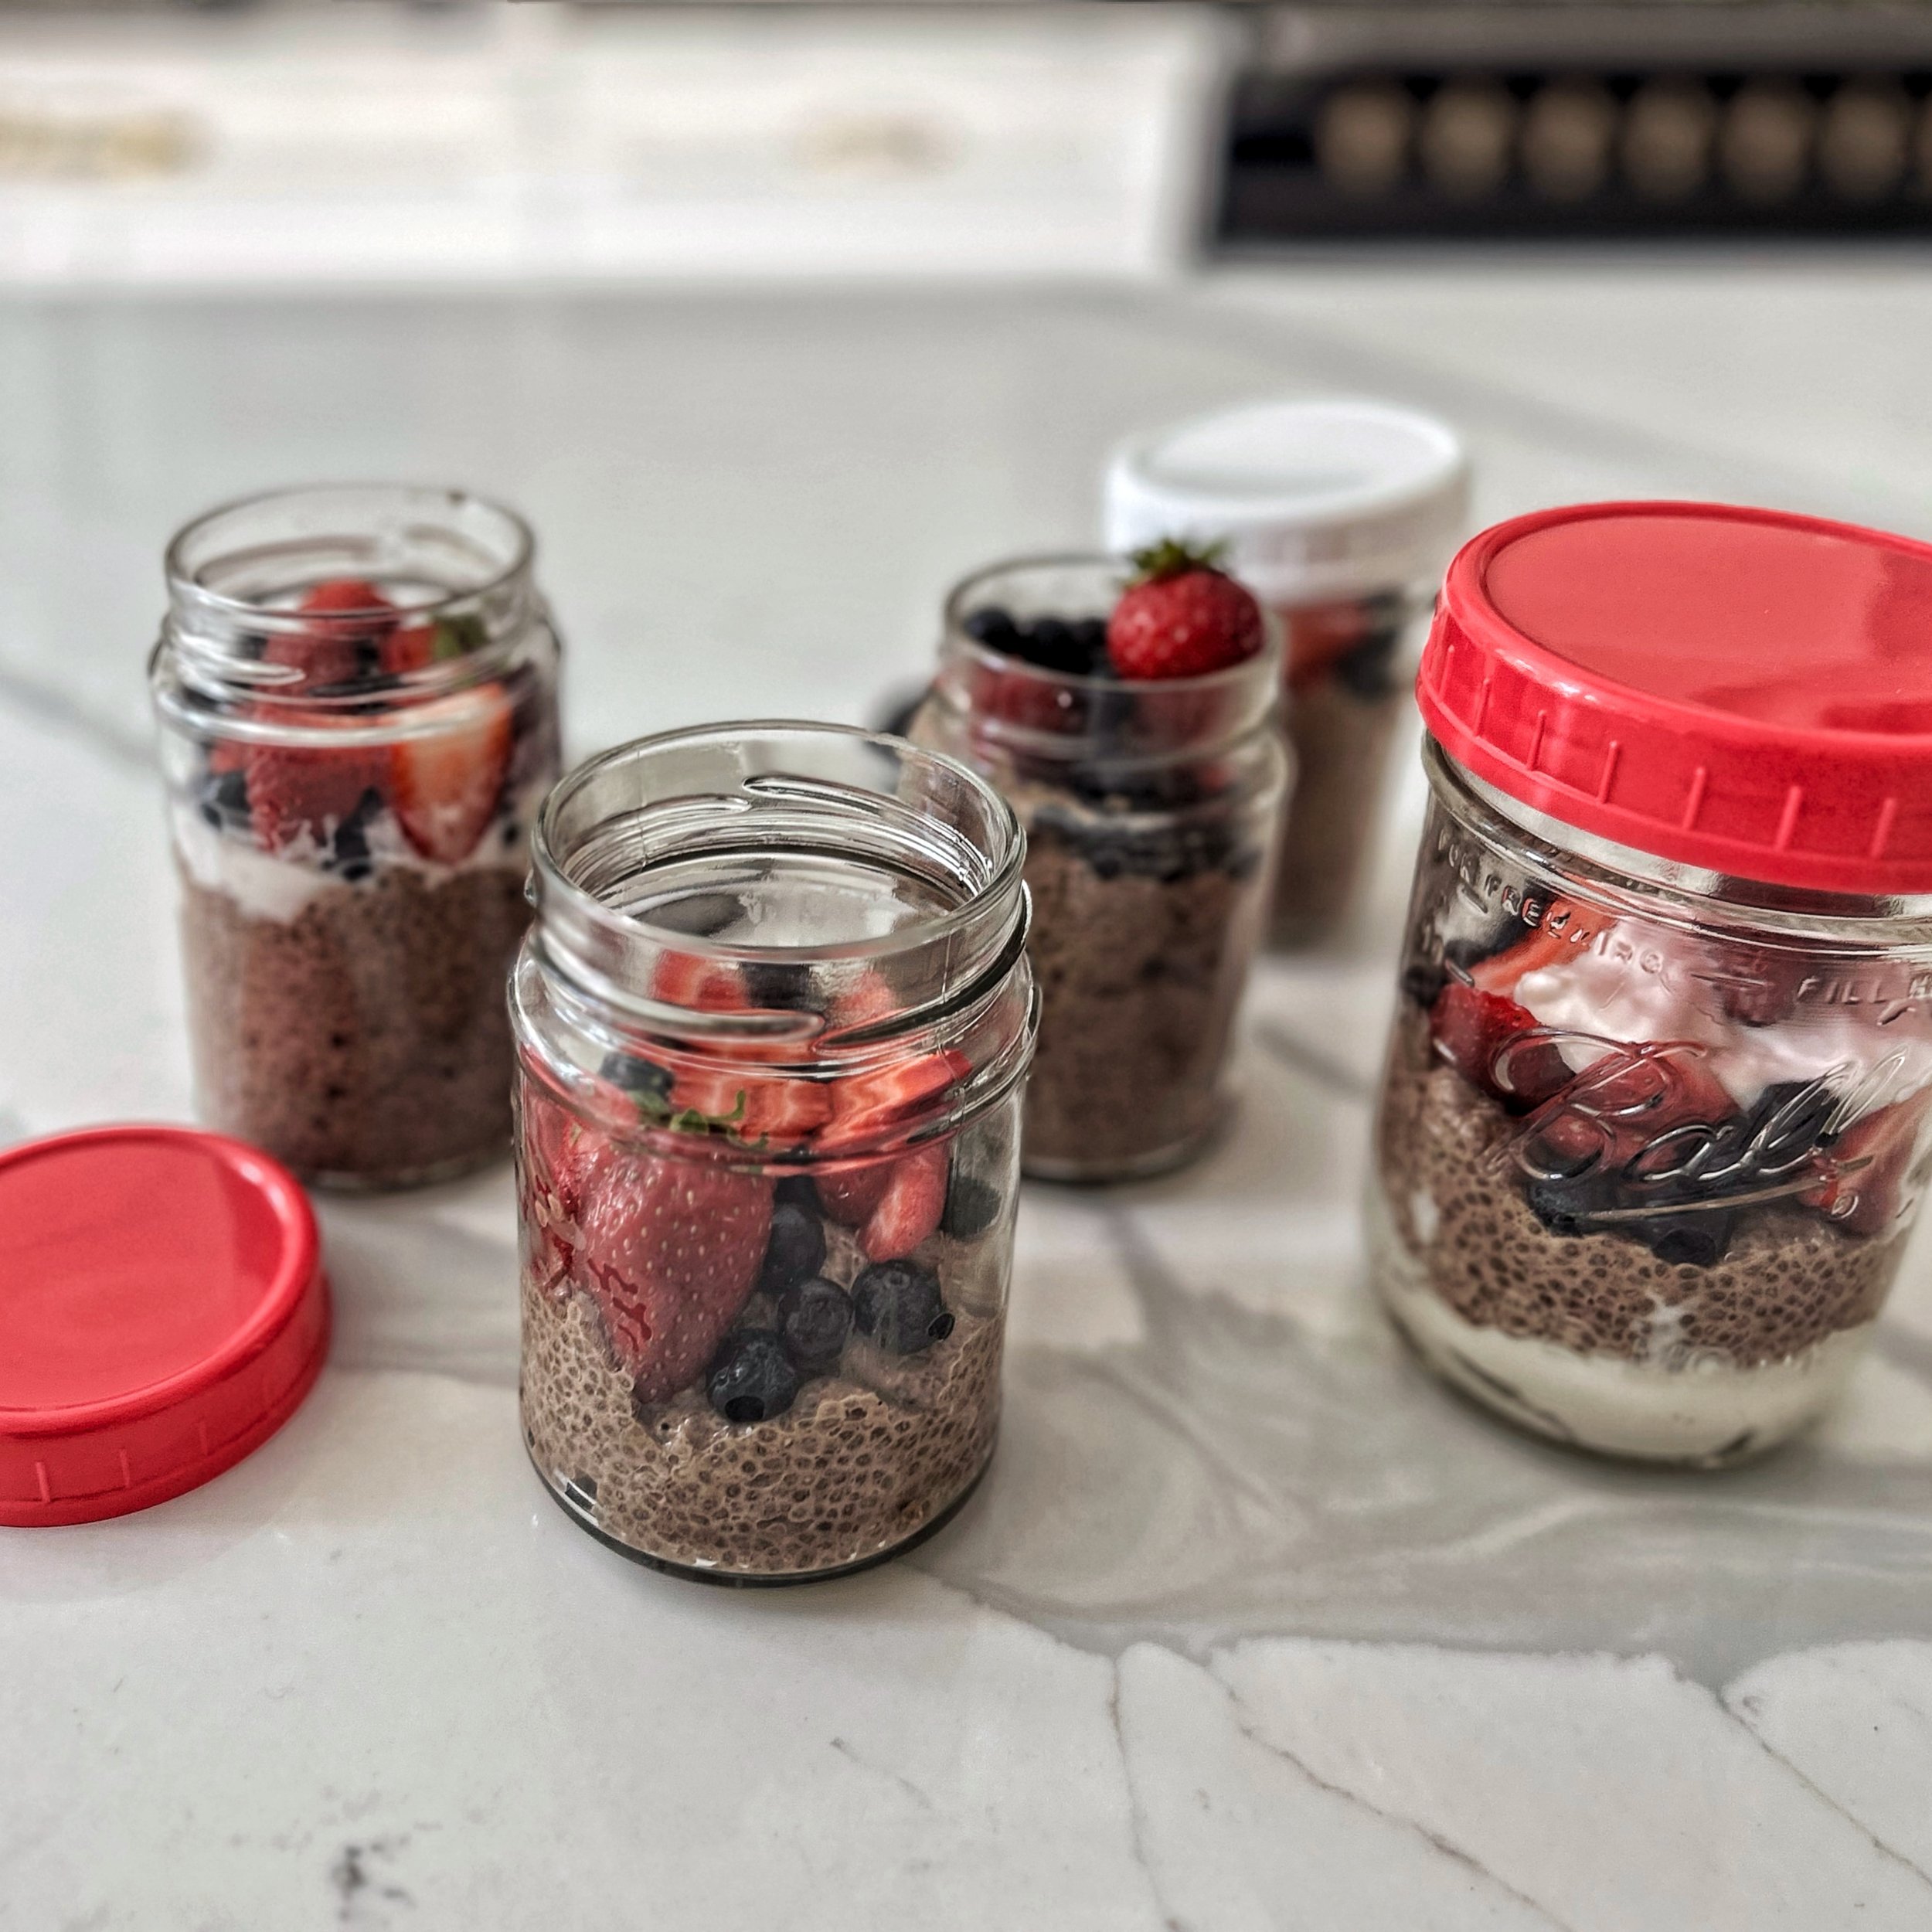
{"x": 1175, "y": 556}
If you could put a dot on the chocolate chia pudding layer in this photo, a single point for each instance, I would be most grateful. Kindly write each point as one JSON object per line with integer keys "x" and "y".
{"x": 867, "y": 1457}
{"x": 1140, "y": 956}
{"x": 363, "y": 1041}
{"x": 1788, "y": 1282}
{"x": 1340, "y": 741}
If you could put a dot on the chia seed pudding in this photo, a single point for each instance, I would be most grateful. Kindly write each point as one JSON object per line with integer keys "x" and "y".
{"x": 354, "y": 765}
{"x": 1150, "y": 803}
{"x": 773, "y": 1018}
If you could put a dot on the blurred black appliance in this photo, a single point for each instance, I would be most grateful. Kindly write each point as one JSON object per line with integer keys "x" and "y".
{"x": 1576, "y": 123}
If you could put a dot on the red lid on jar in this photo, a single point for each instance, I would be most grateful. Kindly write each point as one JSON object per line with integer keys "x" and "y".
{"x": 162, "y": 1312}
{"x": 1736, "y": 689}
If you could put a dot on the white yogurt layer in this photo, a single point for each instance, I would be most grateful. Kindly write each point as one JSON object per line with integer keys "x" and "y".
{"x": 277, "y": 886}
{"x": 1593, "y": 993}
{"x": 1700, "y": 1413}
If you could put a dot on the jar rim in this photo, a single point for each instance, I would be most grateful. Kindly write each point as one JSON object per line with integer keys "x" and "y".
{"x": 1002, "y": 880}
{"x": 186, "y": 584}
{"x": 1229, "y": 677}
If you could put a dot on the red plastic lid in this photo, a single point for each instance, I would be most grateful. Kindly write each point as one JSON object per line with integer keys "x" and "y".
{"x": 162, "y": 1312}
{"x": 1737, "y": 689}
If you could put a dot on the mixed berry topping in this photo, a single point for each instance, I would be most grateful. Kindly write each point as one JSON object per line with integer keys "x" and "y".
{"x": 1670, "y": 1142}
{"x": 441, "y": 777}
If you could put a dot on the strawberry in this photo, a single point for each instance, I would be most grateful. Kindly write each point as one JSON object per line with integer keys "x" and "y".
{"x": 851, "y": 1192}
{"x": 1318, "y": 635}
{"x": 1869, "y": 1168}
{"x": 1180, "y": 617}
{"x": 867, "y": 1106}
{"x": 1620, "y": 1115}
{"x": 339, "y": 651}
{"x": 1475, "y": 1032}
{"x": 409, "y": 647}
{"x": 701, "y": 985}
{"x": 445, "y": 776}
{"x": 909, "y": 1205}
{"x": 1502, "y": 972}
{"x": 561, "y": 1154}
{"x": 293, "y": 789}
{"x": 670, "y": 1251}
{"x": 758, "y": 1107}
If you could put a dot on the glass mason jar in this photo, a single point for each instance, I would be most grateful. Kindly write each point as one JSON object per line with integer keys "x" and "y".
{"x": 356, "y": 688}
{"x": 772, "y": 1021}
{"x": 1339, "y": 516}
{"x": 1150, "y": 810}
{"x": 1654, "y": 1121}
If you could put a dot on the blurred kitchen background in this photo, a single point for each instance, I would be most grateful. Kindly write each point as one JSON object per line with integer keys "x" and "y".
{"x": 374, "y": 141}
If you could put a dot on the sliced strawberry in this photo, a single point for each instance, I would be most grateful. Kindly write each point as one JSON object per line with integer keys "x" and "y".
{"x": 297, "y": 789}
{"x": 670, "y": 1250}
{"x": 868, "y": 1106}
{"x": 700, "y": 985}
{"x": 1319, "y": 633}
{"x": 851, "y": 1192}
{"x": 1502, "y": 972}
{"x": 410, "y": 647}
{"x": 560, "y": 1154}
{"x": 1870, "y": 1168}
{"x": 446, "y": 775}
{"x": 909, "y": 1207}
{"x": 1481, "y": 1035}
{"x": 757, "y": 1107}
{"x": 1628, "y": 1113}
{"x": 344, "y": 648}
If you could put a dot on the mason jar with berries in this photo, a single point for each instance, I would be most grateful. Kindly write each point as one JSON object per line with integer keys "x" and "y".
{"x": 356, "y": 688}
{"x": 1125, "y": 708}
{"x": 1657, "y": 1110}
{"x": 772, "y": 1019}
{"x": 1339, "y": 516}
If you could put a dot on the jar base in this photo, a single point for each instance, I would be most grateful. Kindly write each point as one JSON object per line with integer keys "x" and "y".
{"x": 434, "y": 1175}
{"x": 744, "y": 1580}
{"x": 1141, "y": 1167}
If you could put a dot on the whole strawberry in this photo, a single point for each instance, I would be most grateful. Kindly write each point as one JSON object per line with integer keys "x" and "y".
{"x": 1181, "y": 617}
{"x": 669, "y": 1251}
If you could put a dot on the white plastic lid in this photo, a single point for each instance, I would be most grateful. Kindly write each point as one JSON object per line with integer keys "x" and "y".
{"x": 1314, "y": 500}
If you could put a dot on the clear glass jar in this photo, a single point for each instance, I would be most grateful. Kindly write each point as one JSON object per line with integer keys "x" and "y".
{"x": 1339, "y": 516}
{"x": 1150, "y": 810}
{"x": 356, "y": 688}
{"x": 1351, "y": 670}
{"x": 1652, "y": 1133}
{"x": 772, "y": 1021}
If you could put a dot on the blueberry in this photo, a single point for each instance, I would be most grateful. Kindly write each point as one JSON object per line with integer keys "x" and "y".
{"x": 770, "y": 983}
{"x": 796, "y": 1190}
{"x": 796, "y": 1249}
{"x": 1368, "y": 671}
{"x": 1699, "y": 1239}
{"x": 972, "y": 1206}
{"x": 992, "y": 627}
{"x": 898, "y": 1305}
{"x": 224, "y": 798}
{"x": 644, "y": 1079}
{"x": 814, "y": 1318}
{"x": 1089, "y": 640}
{"x": 1423, "y": 983}
{"x": 752, "y": 1379}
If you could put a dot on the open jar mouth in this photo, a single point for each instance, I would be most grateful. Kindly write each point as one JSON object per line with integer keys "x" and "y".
{"x": 1070, "y": 716}
{"x": 861, "y": 890}
{"x": 455, "y": 565}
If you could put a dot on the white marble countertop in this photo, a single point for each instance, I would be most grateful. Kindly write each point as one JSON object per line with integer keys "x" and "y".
{"x": 1252, "y": 1625}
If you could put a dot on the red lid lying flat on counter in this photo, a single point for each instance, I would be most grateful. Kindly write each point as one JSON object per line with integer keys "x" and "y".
{"x": 163, "y": 1311}
{"x": 1741, "y": 690}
